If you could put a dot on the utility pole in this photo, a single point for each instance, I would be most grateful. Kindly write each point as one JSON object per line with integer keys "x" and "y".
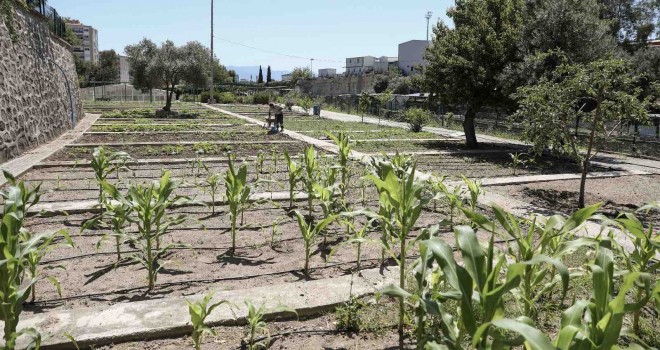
{"x": 311, "y": 66}
{"x": 428, "y": 23}
{"x": 211, "y": 99}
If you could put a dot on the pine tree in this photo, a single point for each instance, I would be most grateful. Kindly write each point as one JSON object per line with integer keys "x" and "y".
{"x": 260, "y": 79}
{"x": 269, "y": 77}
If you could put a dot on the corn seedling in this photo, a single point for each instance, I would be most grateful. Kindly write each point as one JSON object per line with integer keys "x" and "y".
{"x": 294, "y": 176}
{"x": 34, "y": 257}
{"x": 343, "y": 143}
{"x": 357, "y": 237}
{"x": 199, "y": 311}
{"x": 310, "y": 232}
{"x": 213, "y": 183}
{"x": 237, "y": 192}
{"x": 403, "y": 197}
{"x": 475, "y": 190}
{"x": 148, "y": 205}
{"x": 258, "y": 326}
{"x": 16, "y": 284}
{"x": 310, "y": 177}
{"x": 104, "y": 163}
{"x": 326, "y": 196}
{"x": 259, "y": 163}
{"x": 274, "y": 158}
{"x": 517, "y": 161}
{"x": 276, "y": 234}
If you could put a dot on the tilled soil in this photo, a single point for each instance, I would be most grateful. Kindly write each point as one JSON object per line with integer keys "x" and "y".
{"x": 618, "y": 194}
{"x": 84, "y": 154}
{"x": 259, "y": 135}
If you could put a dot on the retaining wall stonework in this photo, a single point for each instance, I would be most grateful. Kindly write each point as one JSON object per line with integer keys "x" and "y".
{"x": 34, "y": 100}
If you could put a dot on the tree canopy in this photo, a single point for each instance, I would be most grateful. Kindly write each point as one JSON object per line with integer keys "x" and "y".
{"x": 300, "y": 73}
{"x": 168, "y": 65}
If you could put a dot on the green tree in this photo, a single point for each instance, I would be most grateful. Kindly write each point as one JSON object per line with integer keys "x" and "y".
{"x": 107, "y": 69}
{"x": 466, "y": 61}
{"x": 647, "y": 65}
{"x": 602, "y": 94}
{"x": 300, "y": 73}
{"x": 168, "y": 65}
{"x": 631, "y": 22}
{"x": 260, "y": 78}
{"x": 269, "y": 77}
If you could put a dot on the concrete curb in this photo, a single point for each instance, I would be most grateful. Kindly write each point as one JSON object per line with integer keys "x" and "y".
{"x": 235, "y": 142}
{"x": 169, "y": 317}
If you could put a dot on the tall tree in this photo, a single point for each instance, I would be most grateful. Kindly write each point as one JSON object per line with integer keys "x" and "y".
{"x": 603, "y": 94}
{"x": 260, "y": 78}
{"x": 300, "y": 73}
{"x": 107, "y": 69}
{"x": 632, "y": 22}
{"x": 168, "y": 65}
{"x": 466, "y": 61}
{"x": 269, "y": 77}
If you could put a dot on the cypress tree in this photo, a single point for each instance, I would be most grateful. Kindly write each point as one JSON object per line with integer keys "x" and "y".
{"x": 260, "y": 79}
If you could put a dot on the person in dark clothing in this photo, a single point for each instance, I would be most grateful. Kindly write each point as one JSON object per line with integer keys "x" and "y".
{"x": 278, "y": 112}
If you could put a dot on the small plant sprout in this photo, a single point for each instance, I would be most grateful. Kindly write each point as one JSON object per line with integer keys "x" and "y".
{"x": 258, "y": 326}
{"x": 310, "y": 176}
{"x": 310, "y": 232}
{"x": 259, "y": 163}
{"x": 294, "y": 176}
{"x": 34, "y": 257}
{"x": 104, "y": 163}
{"x": 198, "y": 311}
{"x": 357, "y": 237}
{"x": 344, "y": 145}
{"x": 517, "y": 161}
{"x": 274, "y": 158}
{"x": 16, "y": 284}
{"x": 237, "y": 192}
{"x": 475, "y": 190}
{"x": 276, "y": 234}
{"x": 213, "y": 183}
{"x": 148, "y": 205}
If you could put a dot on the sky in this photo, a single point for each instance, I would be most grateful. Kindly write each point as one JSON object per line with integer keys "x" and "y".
{"x": 326, "y": 30}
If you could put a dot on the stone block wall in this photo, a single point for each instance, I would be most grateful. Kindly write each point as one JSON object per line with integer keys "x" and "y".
{"x": 34, "y": 100}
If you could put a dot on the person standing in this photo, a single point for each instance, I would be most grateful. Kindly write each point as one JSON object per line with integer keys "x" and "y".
{"x": 278, "y": 112}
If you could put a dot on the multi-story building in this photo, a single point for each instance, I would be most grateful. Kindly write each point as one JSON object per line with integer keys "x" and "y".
{"x": 88, "y": 49}
{"x": 360, "y": 65}
{"x": 411, "y": 55}
{"x": 384, "y": 64}
{"x": 286, "y": 77}
{"x": 124, "y": 69}
{"x": 327, "y": 73}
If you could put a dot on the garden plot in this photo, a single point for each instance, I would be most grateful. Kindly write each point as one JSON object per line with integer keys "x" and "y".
{"x": 172, "y": 127}
{"x": 174, "y": 137}
{"x": 191, "y": 151}
{"x": 618, "y": 194}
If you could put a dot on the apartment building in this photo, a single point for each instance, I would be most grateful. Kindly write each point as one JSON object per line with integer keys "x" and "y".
{"x": 286, "y": 77}
{"x": 88, "y": 49}
{"x": 384, "y": 64}
{"x": 360, "y": 65}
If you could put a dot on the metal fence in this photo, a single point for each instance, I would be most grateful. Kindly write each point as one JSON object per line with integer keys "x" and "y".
{"x": 55, "y": 21}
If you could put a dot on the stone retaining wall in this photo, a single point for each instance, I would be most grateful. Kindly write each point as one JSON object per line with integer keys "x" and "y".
{"x": 34, "y": 100}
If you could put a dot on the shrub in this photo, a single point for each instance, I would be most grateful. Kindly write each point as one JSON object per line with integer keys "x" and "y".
{"x": 381, "y": 84}
{"x": 417, "y": 118}
{"x": 261, "y": 98}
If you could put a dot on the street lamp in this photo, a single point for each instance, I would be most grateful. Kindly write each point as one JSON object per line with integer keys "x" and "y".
{"x": 428, "y": 22}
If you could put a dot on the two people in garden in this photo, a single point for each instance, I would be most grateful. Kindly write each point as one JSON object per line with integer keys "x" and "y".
{"x": 278, "y": 113}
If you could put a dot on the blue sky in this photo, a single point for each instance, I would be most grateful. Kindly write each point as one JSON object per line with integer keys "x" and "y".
{"x": 324, "y": 29}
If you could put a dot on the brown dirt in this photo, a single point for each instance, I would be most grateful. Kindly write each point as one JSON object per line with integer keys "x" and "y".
{"x": 175, "y": 137}
{"x": 625, "y": 193}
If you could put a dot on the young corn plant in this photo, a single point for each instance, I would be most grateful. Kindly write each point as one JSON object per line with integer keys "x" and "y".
{"x": 199, "y": 311}
{"x": 237, "y": 192}
{"x": 326, "y": 196}
{"x": 310, "y": 177}
{"x": 294, "y": 176}
{"x": 474, "y": 190}
{"x": 258, "y": 326}
{"x": 344, "y": 145}
{"x": 357, "y": 237}
{"x": 213, "y": 183}
{"x": 405, "y": 199}
{"x": 117, "y": 218}
{"x": 34, "y": 257}
{"x": 103, "y": 164}
{"x": 149, "y": 205}
{"x": 541, "y": 249}
{"x": 259, "y": 163}
{"x": 16, "y": 284}
{"x": 517, "y": 161}
{"x": 310, "y": 233}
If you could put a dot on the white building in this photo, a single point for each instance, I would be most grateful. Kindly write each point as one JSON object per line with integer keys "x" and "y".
{"x": 411, "y": 55}
{"x": 286, "y": 77}
{"x": 88, "y": 49}
{"x": 327, "y": 73}
{"x": 360, "y": 65}
{"x": 124, "y": 70}
{"x": 383, "y": 64}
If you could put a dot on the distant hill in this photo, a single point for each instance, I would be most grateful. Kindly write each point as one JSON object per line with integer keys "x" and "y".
{"x": 244, "y": 72}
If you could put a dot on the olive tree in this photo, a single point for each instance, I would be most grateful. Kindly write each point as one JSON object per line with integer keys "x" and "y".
{"x": 602, "y": 94}
{"x": 168, "y": 65}
{"x": 465, "y": 62}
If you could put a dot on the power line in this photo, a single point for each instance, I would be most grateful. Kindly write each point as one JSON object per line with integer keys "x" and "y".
{"x": 276, "y": 53}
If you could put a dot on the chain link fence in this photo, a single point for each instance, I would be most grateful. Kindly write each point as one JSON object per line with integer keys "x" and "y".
{"x": 121, "y": 92}
{"x": 55, "y": 21}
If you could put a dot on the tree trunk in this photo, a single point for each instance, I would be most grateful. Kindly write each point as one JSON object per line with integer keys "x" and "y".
{"x": 587, "y": 157}
{"x": 168, "y": 102}
{"x": 468, "y": 128}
